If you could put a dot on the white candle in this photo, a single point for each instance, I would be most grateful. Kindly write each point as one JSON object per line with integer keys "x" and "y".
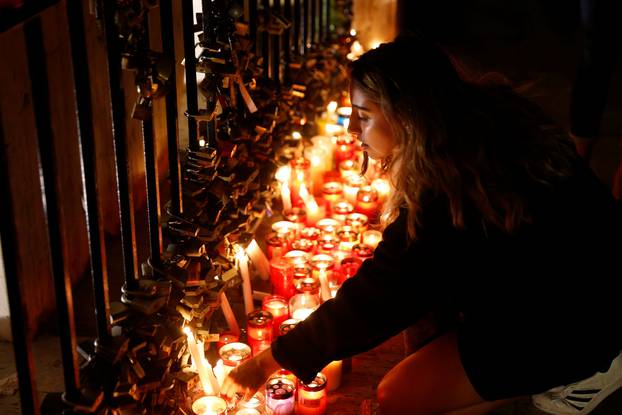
{"x": 261, "y": 263}
{"x": 247, "y": 290}
{"x": 209, "y": 405}
{"x": 219, "y": 372}
{"x": 215, "y": 386}
{"x": 283, "y": 175}
{"x": 229, "y": 316}
{"x": 313, "y": 210}
{"x": 197, "y": 359}
{"x": 286, "y": 196}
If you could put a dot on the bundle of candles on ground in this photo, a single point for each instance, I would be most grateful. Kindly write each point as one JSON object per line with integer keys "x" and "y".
{"x": 327, "y": 227}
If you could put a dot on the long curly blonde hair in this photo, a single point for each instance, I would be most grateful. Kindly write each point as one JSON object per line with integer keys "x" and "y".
{"x": 473, "y": 142}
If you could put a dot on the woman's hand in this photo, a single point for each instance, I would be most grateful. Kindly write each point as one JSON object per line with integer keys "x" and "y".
{"x": 251, "y": 375}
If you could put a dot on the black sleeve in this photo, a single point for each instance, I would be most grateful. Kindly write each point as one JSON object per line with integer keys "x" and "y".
{"x": 383, "y": 298}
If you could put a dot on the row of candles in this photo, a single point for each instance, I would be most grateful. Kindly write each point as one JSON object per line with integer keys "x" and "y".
{"x": 329, "y": 211}
{"x": 284, "y": 393}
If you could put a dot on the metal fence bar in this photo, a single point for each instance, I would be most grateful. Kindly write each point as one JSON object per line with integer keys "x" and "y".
{"x": 37, "y": 70}
{"x": 298, "y": 31}
{"x": 191, "y": 73}
{"x": 84, "y": 112}
{"x": 306, "y": 25}
{"x": 22, "y": 347}
{"x": 124, "y": 189}
{"x": 168, "y": 47}
{"x": 153, "y": 194}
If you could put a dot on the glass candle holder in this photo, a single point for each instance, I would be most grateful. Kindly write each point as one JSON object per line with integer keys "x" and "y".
{"x": 319, "y": 160}
{"x": 297, "y": 258}
{"x": 358, "y": 221}
{"x": 302, "y": 273}
{"x": 312, "y": 397}
{"x": 281, "y": 394}
{"x": 311, "y": 233}
{"x": 277, "y": 245}
{"x": 209, "y": 405}
{"x": 288, "y": 325}
{"x": 371, "y": 238}
{"x": 348, "y": 237}
{"x": 383, "y": 187}
{"x": 301, "y": 175}
{"x": 351, "y": 186}
{"x": 341, "y": 210}
{"x": 233, "y": 354}
{"x": 296, "y": 215}
{"x": 327, "y": 244}
{"x": 326, "y": 144}
{"x": 367, "y": 202}
{"x": 302, "y": 305}
{"x": 278, "y": 307}
{"x": 349, "y": 267}
{"x": 303, "y": 244}
{"x": 281, "y": 277}
{"x": 344, "y": 148}
{"x": 348, "y": 168}
{"x": 286, "y": 229}
{"x": 248, "y": 411}
{"x": 259, "y": 330}
{"x": 255, "y": 405}
{"x": 323, "y": 269}
{"x": 363, "y": 251}
{"x": 226, "y": 338}
{"x": 332, "y": 192}
{"x": 328, "y": 226}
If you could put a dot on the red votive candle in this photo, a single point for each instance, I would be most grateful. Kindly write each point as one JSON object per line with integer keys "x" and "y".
{"x": 305, "y": 245}
{"x": 278, "y": 307}
{"x": 281, "y": 277}
{"x": 312, "y": 397}
{"x": 358, "y": 221}
{"x": 259, "y": 330}
{"x": 327, "y": 244}
{"x": 328, "y": 226}
{"x": 226, "y": 338}
{"x": 348, "y": 237}
{"x": 332, "y": 192}
{"x": 277, "y": 245}
{"x": 344, "y": 148}
{"x": 234, "y": 354}
{"x": 363, "y": 251}
{"x": 349, "y": 267}
{"x": 311, "y": 233}
{"x": 341, "y": 210}
{"x": 367, "y": 202}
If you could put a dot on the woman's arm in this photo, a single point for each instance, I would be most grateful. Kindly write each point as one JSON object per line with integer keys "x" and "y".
{"x": 384, "y": 297}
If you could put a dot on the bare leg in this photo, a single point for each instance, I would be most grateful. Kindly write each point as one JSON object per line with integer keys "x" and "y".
{"x": 430, "y": 381}
{"x": 479, "y": 409}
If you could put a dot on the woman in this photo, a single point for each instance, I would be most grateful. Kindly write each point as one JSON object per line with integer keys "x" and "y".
{"x": 492, "y": 215}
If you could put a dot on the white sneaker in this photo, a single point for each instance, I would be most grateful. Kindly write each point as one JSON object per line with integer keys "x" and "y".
{"x": 580, "y": 398}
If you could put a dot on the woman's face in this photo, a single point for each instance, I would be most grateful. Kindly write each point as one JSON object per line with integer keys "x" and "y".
{"x": 368, "y": 124}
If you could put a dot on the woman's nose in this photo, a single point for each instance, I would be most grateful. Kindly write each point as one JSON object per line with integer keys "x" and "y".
{"x": 353, "y": 126}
